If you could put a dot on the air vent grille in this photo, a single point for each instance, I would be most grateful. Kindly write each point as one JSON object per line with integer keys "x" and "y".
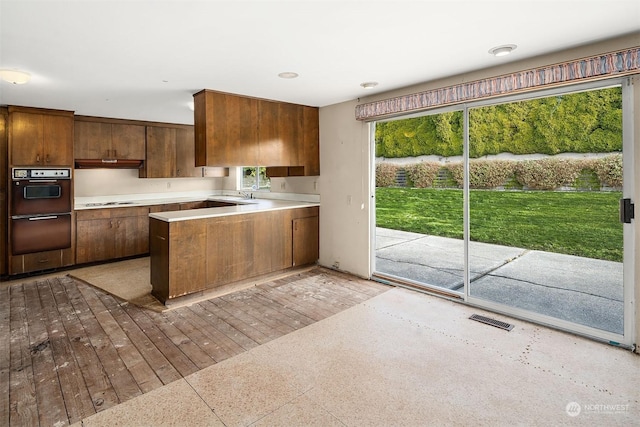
{"x": 492, "y": 322}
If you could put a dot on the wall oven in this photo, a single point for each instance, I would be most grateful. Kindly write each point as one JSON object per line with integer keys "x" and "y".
{"x": 40, "y": 210}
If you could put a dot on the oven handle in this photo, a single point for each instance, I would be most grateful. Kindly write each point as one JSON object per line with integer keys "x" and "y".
{"x": 40, "y": 218}
{"x": 38, "y": 181}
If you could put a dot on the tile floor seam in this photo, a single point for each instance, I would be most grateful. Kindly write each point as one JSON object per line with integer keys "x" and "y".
{"x": 202, "y": 399}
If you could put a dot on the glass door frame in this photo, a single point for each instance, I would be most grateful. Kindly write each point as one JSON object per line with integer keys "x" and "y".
{"x": 625, "y": 339}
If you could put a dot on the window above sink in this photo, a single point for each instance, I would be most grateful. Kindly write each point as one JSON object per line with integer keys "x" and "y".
{"x": 253, "y": 178}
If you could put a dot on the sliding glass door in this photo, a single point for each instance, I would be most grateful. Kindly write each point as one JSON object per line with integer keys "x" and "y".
{"x": 545, "y": 180}
{"x": 516, "y": 207}
{"x": 419, "y": 231}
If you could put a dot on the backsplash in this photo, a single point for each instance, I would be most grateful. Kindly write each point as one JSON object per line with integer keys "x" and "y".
{"x": 105, "y": 182}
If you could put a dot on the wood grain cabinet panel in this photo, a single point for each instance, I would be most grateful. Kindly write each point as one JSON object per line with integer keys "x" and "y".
{"x": 161, "y": 152}
{"x": 128, "y": 141}
{"x": 186, "y": 154}
{"x": 232, "y": 130}
{"x": 235, "y": 248}
{"x": 226, "y": 129}
{"x": 178, "y": 264}
{"x": 105, "y": 234}
{"x": 4, "y": 173}
{"x": 108, "y": 139}
{"x": 40, "y": 137}
{"x": 305, "y": 240}
{"x": 170, "y": 153}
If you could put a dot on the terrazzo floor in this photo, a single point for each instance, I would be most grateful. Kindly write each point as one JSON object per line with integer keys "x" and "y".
{"x": 402, "y": 358}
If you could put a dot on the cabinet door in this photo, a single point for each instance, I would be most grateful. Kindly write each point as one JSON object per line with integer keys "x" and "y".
{"x": 25, "y": 139}
{"x": 57, "y": 140}
{"x": 186, "y": 154}
{"x": 310, "y": 141}
{"x": 226, "y": 129}
{"x": 95, "y": 240}
{"x": 290, "y": 125}
{"x": 91, "y": 140}
{"x": 161, "y": 149}
{"x": 305, "y": 240}
{"x": 132, "y": 236}
{"x": 270, "y": 148}
{"x": 128, "y": 141}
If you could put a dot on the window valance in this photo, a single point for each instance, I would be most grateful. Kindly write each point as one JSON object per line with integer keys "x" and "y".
{"x": 623, "y": 62}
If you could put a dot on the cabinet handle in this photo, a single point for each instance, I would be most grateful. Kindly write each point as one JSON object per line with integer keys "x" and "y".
{"x": 37, "y": 158}
{"x": 110, "y": 224}
{"x": 161, "y": 238}
{"x": 47, "y": 160}
{"x": 115, "y": 154}
{"x": 42, "y": 261}
{"x": 118, "y": 223}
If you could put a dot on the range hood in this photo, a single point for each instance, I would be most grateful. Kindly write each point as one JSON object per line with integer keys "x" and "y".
{"x": 108, "y": 164}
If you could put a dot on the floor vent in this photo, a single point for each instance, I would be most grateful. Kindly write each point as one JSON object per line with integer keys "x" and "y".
{"x": 492, "y": 322}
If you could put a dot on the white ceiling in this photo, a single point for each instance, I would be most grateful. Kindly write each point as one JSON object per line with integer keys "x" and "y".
{"x": 145, "y": 59}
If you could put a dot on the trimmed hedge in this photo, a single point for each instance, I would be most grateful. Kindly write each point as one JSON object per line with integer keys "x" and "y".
{"x": 423, "y": 175}
{"x": 543, "y": 174}
{"x": 386, "y": 174}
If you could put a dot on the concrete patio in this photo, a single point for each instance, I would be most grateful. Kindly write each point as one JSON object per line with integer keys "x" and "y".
{"x": 580, "y": 290}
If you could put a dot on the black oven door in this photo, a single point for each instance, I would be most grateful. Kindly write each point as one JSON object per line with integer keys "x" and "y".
{"x": 37, "y": 197}
{"x": 40, "y": 233}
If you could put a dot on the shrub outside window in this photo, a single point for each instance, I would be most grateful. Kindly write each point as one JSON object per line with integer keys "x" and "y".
{"x": 254, "y": 178}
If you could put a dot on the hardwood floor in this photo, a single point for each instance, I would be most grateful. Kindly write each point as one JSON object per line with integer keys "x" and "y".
{"x": 70, "y": 350}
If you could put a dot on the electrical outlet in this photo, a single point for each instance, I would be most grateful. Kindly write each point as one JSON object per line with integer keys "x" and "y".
{"x": 349, "y": 200}
{"x": 168, "y": 185}
{"x": 336, "y": 265}
{"x": 283, "y": 185}
{"x": 315, "y": 185}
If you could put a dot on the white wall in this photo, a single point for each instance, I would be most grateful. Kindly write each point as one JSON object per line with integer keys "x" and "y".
{"x": 106, "y": 182}
{"x": 344, "y": 190}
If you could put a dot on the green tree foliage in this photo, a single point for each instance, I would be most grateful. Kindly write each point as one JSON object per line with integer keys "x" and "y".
{"x": 584, "y": 122}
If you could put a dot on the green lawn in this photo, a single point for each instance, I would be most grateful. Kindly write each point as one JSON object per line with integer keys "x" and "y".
{"x": 576, "y": 223}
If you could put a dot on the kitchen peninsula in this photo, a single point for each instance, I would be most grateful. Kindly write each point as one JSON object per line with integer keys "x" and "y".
{"x": 199, "y": 249}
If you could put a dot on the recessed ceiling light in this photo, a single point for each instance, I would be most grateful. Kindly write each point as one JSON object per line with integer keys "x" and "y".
{"x": 502, "y": 50}
{"x": 369, "y": 85}
{"x": 288, "y": 75}
{"x": 16, "y": 77}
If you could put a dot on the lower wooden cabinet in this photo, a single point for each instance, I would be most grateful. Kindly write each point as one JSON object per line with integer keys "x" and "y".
{"x": 192, "y": 255}
{"x": 305, "y": 240}
{"x": 41, "y": 261}
{"x": 104, "y": 234}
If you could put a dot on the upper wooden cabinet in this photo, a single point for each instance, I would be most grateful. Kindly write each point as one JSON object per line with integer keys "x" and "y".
{"x": 170, "y": 153}
{"x": 96, "y": 138}
{"x": 232, "y": 130}
{"x": 39, "y": 137}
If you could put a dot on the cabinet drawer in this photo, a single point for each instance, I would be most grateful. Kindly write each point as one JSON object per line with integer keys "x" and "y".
{"x": 84, "y": 215}
{"x": 41, "y": 261}
{"x": 125, "y": 212}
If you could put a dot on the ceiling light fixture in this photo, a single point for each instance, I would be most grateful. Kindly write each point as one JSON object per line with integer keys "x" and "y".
{"x": 369, "y": 85}
{"x": 502, "y": 50}
{"x": 288, "y": 75}
{"x": 15, "y": 77}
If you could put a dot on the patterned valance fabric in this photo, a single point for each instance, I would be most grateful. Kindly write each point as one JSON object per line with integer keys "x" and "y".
{"x": 618, "y": 63}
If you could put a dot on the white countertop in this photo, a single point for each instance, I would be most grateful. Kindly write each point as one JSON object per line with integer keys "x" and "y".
{"x": 247, "y": 207}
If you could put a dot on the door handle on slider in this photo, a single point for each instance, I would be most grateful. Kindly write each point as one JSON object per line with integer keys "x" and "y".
{"x": 626, "y": 211}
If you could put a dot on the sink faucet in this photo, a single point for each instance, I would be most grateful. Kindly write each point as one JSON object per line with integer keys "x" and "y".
{"x": 246, "y": 195}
